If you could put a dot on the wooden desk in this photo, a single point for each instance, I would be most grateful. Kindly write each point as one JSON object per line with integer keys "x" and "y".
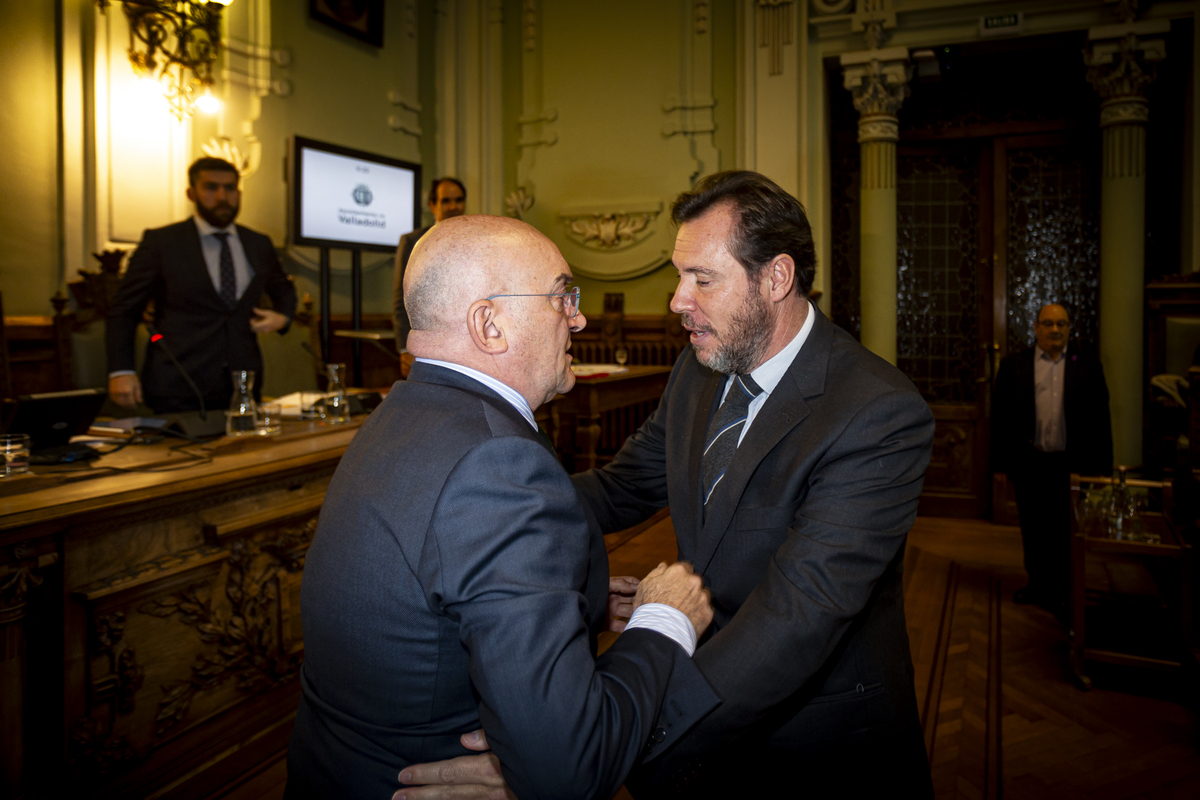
{"x": 591, "y": 397}
{"x": 150, "y": 618}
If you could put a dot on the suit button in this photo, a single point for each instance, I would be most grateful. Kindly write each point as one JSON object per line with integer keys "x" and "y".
{"x": 658, "y": 736}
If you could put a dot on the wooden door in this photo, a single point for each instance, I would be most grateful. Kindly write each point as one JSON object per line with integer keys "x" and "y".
{"x": 988, "y": 230}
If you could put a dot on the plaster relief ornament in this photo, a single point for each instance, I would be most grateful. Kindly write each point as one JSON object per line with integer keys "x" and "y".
{"x": 518, "y": 202}
{"x": 609, "y": 231}
{"x": 224, "y": 148}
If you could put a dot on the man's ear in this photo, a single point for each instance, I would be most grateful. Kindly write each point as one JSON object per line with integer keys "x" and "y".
{"x": 191, "y": 193}
{"x": 782, "y": 275}
{"x": 486, "y": 328}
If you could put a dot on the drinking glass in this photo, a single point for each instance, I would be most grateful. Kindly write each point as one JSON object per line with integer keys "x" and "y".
{"x": 269, "y": 421}
{"x": 621, "y": 355}
{"x": 15, "y": 447}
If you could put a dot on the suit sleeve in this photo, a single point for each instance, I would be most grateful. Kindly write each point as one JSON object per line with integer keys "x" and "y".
{"x": 861, "y": 502}
{"x": 510, "y": 553}
{"x": 278, "y": 286}
{"x": 141, "y": 282}
{"x": 400, "y": 324}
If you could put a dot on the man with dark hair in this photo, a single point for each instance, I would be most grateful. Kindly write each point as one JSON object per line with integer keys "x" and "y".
{"x": 447, "y": 198}
{"x": 205, "y": 276}
{"x": 1049, "y": 419}
{"x": 792, "y": 461}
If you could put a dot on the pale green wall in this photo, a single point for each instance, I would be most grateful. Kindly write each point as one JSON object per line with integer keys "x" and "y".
{"x": 29, "y": 242}
{"x": 339, "y": 95}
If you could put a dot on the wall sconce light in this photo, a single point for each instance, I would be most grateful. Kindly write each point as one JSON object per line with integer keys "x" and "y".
{"x": 175, "y": 43}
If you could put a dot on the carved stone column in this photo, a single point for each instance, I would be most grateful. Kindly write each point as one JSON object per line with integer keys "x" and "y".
{"x": 878, "y": 80}
{"x": 1120, "y": 64}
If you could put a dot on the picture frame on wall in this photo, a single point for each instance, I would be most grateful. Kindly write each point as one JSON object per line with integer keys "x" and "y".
{"x": 362, "y": 19}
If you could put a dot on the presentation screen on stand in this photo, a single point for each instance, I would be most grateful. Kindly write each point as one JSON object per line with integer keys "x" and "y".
{"x": 349, "y": 199}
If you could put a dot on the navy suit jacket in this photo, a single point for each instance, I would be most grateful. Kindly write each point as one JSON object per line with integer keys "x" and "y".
{"x": 453, "y": 584}
{"x": 802, "y": 545}
{"x": 207, "y": 337}
{"x": 1085, "y": 414}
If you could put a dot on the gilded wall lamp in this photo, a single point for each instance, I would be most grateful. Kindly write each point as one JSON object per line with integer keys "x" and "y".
{"x": 175, "y": 44}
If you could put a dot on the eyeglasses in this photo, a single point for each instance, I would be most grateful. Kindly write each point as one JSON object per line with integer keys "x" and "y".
{"x": 570, "y": 300}
{"x": 1054, "y": 323}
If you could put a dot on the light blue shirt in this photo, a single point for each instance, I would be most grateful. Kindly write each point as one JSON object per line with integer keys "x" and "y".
{"x": 771, "y": 372}
{"x": 211, "y": 247}
{"x": 657, "y": 617}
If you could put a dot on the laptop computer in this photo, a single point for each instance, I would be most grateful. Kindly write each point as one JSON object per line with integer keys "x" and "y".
{"x": 52, "y": 418}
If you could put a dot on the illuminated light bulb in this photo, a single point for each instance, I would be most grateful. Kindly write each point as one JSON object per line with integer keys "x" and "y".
{"x": 208, "y": 104}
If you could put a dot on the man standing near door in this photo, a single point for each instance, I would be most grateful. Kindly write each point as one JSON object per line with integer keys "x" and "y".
{"x": 447, "y": 198}
{"x": 1049, "y": 418}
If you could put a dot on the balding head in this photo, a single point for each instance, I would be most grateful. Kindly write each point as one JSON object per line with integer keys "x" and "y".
{"x": 453, "y": 271}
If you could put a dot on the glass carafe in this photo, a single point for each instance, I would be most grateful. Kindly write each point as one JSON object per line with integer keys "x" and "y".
{"x": 239, "y": 421}
{"x": 337, "y": 410}
{"x": 1120, "y": 524}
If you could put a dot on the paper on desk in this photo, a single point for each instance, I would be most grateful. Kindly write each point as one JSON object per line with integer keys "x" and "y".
{"x": 289, "y": 404}
{"x": 587, "y": 370}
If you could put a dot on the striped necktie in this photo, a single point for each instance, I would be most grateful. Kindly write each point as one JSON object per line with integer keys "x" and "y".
{"x": 227, "y": 275}
{"x": 725, "y": 430}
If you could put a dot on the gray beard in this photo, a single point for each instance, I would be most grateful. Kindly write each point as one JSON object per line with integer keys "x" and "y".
{"x": 743, "y": 346}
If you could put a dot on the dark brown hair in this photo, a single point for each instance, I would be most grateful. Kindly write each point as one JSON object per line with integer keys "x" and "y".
{"x": 212, "y": 165}
{"x": 768, "y": 222}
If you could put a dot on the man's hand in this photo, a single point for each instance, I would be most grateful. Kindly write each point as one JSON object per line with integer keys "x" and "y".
{"x": 462, "y": 778}
{"x": 125, "y": 390}
{"x": 267, "y": 321}
{"x": 406, "y": 362}
{"x": 620, "y": 602}
{"x": 678, "y": 586}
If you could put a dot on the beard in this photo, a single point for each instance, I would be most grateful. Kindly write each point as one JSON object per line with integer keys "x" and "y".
{"x": 741, "y": 348}
{"x": 219, "y": 215}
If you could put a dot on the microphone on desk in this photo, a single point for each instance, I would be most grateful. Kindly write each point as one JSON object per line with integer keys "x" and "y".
{"x": 157, "y": 338}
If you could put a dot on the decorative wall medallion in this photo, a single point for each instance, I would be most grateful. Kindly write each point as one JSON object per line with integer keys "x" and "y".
{"x": 831, "y": 6}
{"x": 224, "y": 148}
{"x": 610, "y": 231}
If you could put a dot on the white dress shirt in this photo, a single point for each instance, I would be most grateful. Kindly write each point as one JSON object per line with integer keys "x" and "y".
{"x": 210, "y": 245}
{"x": 1048, "y": 380}
{"x": 771, "y": 372}
{"x": 658, "y": 617}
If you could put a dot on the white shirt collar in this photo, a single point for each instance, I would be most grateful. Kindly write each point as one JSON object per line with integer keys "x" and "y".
{"x": 515, "y": 398}
{"x": 1039, "y": 353}
{"x": 207, "y": 229}
{"x": 771, "y": 372}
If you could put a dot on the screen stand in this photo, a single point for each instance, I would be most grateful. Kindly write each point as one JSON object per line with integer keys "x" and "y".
{"x": 323, "y": 278}
{"x": 356, "y": 312}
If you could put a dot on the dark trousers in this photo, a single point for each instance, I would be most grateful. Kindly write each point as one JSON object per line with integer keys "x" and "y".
{"x": 1043, "y": 484}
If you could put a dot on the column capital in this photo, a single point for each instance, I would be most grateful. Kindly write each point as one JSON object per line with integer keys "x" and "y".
{"x": 878, "y": 82}
{"x": 1121, "y": 61}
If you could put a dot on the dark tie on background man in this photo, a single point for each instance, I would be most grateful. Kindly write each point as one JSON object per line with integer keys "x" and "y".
{"x": 228, "y": 276}
{"x": 725, "y": 429}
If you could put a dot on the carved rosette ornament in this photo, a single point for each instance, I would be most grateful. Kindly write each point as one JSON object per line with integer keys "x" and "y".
{"x": 609, "y": 231}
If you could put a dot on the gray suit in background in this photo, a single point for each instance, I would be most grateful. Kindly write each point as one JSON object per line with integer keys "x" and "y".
{"x": 802, "y": 545}
{"x": 400, "y": 324}
{"x": 453, "y": 584}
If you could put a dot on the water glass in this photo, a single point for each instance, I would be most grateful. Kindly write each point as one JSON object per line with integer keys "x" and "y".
{"x": 337, "y": 410}
{"x": 269, "y": 421}
{"x": 15, "y": 447}
{"x": 312, "y": 405}
{"x": 621, "y": 355}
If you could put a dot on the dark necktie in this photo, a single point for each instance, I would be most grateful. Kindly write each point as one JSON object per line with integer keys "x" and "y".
{"x": 228, "y": 276}
{"x": 724, "y": 430}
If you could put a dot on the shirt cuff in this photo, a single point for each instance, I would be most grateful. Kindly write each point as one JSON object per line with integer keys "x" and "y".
{"x": 119, "y": 372}
{"x": 667, "y": 620}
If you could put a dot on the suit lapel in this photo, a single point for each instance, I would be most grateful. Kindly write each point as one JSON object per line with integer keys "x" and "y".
{"x": 785, "y": 408}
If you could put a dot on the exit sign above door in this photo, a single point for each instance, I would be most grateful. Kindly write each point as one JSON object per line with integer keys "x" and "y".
{"x": 1001, "y": 24}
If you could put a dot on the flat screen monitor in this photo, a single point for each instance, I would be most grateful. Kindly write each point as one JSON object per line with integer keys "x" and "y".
{"x": 350, "y": 199}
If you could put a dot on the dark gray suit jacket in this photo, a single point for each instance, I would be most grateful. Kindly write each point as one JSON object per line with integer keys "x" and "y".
{"x": 207, "y": 337}
{"x": 453, "y": 583}
{"x": 802, "y": 546}
{"x": 400, "y": 324}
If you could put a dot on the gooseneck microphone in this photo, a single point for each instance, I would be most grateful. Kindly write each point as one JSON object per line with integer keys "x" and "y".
{"x": 157, "y": 338}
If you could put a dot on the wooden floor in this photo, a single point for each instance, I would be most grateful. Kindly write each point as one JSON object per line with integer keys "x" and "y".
{"x": 1000, "y": 714}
